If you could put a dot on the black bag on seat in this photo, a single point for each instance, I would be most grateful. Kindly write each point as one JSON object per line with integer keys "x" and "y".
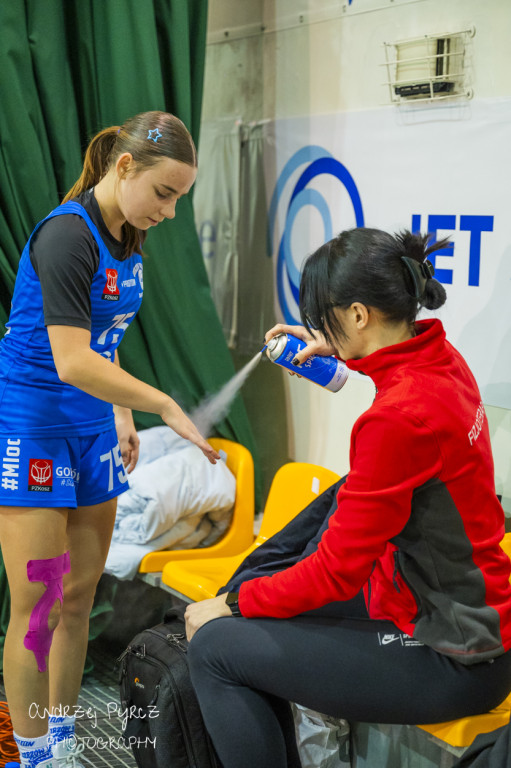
{"x": 164, "y": 724}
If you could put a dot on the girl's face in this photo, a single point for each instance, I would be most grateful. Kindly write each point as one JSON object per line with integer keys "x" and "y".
{"x": 367, "y": 330}
{"x": 147, "y": 197}
{"x": 344, "y": 347}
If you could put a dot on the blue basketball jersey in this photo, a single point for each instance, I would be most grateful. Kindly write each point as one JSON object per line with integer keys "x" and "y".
{"x": 33, "y": 400}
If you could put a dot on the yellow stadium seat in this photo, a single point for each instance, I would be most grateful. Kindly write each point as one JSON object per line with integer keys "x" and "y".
{"x": 462, "y": 732}
{"x": 241, "y": 531}
{"x": 294, "y": 486}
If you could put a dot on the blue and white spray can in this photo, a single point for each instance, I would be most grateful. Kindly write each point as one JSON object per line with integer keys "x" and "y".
{"x": 328, "y": 372}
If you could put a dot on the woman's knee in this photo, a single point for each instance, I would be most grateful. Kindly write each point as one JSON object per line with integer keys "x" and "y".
{"x": 37, "y": 596}
{"x": 78, "y": 598}
{"x": 26, "y": 611}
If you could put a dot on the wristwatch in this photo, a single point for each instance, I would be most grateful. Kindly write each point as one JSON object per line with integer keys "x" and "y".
{"x": 232, "y": 602}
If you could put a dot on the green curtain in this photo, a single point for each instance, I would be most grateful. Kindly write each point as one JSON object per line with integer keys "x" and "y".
{"x": 67, "y": 69}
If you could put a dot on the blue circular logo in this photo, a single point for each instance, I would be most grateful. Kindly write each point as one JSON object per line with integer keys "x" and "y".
{"x": 317, "y": 161}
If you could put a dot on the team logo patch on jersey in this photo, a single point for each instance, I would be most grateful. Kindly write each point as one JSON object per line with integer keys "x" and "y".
{"x": 111, "y": 290}
{"x": 138, "y": 270}
{"x": 40, "y": 475}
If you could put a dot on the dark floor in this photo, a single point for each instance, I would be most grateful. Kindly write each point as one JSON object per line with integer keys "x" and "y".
{"x": 98, "y": 717}
{"x": 133, "y": 606}
{"x": 100, "y": 722}
{"x": 136, "y": 606}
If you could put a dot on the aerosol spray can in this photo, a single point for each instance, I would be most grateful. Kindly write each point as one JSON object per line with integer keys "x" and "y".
{"x": 328, "y": 372}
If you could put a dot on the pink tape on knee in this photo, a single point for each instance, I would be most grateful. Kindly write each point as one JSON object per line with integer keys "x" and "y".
{"x": 50, "y": 572}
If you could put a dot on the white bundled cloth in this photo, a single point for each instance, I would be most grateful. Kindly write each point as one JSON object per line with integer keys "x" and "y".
{"x": 176, "y": 499}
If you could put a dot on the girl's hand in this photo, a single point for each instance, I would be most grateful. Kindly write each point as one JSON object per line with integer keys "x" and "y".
{"x": 315, "y": 345}
{"x": 129, "y": 442}
{"x": 198, "y": 614}
{"x": 177, "y": 420}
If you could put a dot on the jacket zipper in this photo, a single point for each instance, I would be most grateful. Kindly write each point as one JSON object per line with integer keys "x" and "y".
{"x": 369, "y": 588}
{"x": 394, "y": 575}
{"x": 398, "y": 570}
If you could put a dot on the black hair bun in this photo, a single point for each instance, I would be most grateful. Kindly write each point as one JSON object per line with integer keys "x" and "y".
{"x": 434, "y": 294}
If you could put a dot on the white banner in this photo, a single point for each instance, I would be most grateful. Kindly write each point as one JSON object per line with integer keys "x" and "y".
{"x": 443, "y": 170}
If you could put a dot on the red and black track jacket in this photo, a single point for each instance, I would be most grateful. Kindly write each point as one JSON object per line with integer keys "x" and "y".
{"x": 418, "y": 524}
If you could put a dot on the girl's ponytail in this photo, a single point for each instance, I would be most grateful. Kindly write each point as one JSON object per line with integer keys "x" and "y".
{"x": 96, "y": 161}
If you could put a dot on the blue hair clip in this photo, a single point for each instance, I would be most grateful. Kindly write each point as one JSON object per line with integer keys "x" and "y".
{"x": 154, "y": 135}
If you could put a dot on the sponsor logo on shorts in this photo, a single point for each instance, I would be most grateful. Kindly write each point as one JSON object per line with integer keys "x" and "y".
{"x": 386, "y": 639}
{"x": 111, "y": 290}
{"x": 401, "y": 637}
{"x": 11, "y": 465}
{"x": 67, "y": 475}
{"x": 40, "y": 475}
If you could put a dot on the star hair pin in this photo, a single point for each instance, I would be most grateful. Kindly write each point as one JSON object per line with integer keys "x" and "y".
{"x": 154, "y": 135}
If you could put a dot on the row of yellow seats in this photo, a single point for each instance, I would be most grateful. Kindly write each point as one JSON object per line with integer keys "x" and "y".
{"x": 198, "y": 574}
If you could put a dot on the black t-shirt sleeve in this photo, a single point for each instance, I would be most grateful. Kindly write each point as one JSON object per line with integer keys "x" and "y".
{"x": 64, "y": 256}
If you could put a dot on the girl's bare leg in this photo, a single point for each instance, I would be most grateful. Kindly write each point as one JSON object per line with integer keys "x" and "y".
{"x": 29, "y": 534}
{"x": 89, "y": 531}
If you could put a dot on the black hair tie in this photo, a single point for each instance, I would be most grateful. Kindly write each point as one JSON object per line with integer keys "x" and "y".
{"x": 420, "y": 273}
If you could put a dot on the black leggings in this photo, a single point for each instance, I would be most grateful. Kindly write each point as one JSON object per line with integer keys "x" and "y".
{"x": 333, "y": 660}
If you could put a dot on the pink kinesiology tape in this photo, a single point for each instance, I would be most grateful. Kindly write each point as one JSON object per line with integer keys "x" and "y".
{"x": 50, "y": 572}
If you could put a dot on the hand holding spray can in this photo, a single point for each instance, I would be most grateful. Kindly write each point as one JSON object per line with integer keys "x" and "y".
{"x": 328, "y": 372}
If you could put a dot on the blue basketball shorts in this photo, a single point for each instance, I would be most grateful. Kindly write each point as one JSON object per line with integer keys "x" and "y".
{"x": 60, "y": 471}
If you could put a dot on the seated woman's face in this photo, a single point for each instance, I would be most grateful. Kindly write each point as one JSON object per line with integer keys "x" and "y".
{"x": 365, "y": 330}
{"x": 348, "y": 346}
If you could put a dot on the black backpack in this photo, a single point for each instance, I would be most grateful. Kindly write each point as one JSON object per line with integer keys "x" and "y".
{"x": 164, "y": 725}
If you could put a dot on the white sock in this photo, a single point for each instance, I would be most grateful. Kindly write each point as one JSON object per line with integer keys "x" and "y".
{"x": 33, "y": 751}
{"x": 61, "y": 729}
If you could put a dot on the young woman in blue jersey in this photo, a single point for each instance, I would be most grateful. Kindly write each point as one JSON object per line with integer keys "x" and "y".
{"x": 66, "y": 429}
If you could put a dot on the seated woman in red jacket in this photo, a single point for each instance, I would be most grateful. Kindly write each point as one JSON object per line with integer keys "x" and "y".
{"x": 415, "y": 533}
